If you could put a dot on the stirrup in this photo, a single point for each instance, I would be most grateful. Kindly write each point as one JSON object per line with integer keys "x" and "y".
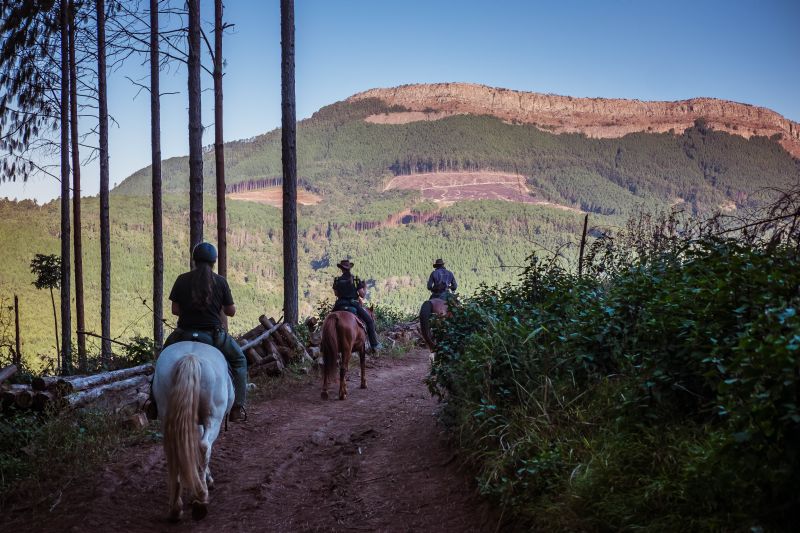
{"x": 238, "y": 414}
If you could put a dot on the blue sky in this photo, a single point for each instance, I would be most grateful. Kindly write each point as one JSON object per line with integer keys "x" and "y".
{"x": 746, "y": 51}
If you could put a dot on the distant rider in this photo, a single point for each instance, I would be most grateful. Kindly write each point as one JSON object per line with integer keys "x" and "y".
{"x": 349, "y": 290}
{"x": 441, "y": 282}
{"x": 199, "y": 297}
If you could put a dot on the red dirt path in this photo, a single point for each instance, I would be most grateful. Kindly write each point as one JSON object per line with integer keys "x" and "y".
{"x": 375, "y": 462}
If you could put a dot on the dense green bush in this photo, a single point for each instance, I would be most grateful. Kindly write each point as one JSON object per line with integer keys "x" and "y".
{"x": 659, "y": 391}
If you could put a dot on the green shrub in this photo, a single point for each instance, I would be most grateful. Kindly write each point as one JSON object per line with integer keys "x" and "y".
{"x": 658, "y": 392}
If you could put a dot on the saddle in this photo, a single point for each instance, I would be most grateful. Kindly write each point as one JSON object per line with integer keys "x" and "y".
{"x": 352, "y": 310}
{"x": 215, "y": 338}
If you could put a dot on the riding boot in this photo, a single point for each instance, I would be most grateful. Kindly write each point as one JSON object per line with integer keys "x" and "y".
{"x": 238, "y": 366}
{"x": 370, "y": 323}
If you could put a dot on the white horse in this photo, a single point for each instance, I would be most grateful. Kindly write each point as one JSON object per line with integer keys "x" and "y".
{"x": 194, "y": 394}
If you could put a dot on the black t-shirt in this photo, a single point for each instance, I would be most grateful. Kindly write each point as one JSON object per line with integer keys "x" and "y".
{"x": 193, "y": 318}
{"x": 346, "y": 287}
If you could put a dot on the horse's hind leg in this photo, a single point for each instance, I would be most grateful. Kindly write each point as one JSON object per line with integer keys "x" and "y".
{"x": 324, "y": 394}
{"x": 210, "y": 434}
{"x": 175, "y": 501}
{"x": 362, "y": 357}
{"x": 346, "y": 354}
{"x": 209, "y": 437}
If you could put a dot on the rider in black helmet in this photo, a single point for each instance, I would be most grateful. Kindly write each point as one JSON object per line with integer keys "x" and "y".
{"x": 348, "y": 289}
{"x": 199, "y": 298}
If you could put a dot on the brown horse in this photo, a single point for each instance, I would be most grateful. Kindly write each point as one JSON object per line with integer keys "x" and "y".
{"x": 342, "y": 334}
{"x": 434, "y": 306}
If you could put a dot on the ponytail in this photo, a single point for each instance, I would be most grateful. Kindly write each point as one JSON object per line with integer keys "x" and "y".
{"x": 202, "y": 285}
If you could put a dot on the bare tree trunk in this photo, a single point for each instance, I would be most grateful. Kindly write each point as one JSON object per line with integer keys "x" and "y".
{"x": 219, "y": 148}
{"x": 155, "y": 148}
{"x": 105, "y": 226}
{"x": 76, "y": 193}
{"x": 18, "y": 357}
{"x": 66, "y": 323}
{"x": 195, "y": 130}
{"x": 583, "y": 245}
{"x": 289, "y": 159}
{"x": 55, "y": 322}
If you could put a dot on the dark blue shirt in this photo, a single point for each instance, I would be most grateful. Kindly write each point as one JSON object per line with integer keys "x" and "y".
{"x": 440, "y": 280}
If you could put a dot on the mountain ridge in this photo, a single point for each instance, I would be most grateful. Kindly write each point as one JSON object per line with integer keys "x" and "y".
{"x": 594, "y": 117}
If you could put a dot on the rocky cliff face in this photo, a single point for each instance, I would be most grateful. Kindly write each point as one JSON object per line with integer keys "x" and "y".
{"x": 595, "y": 117}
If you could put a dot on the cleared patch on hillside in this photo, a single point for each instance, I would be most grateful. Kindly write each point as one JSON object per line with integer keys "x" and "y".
{"x": 274, "y": 196}
{"x": 406, "y": 117}
{"x": 450, "y": 187}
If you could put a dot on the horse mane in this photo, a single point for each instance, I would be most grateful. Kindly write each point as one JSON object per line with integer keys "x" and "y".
{"x": 330, "y": 344}
{"x": 181, "y": 443}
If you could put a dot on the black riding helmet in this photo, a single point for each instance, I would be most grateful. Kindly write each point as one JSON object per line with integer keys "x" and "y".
{"x": 205, "y": 252}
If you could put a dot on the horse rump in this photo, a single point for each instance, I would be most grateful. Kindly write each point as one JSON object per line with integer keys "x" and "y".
{"x": 330, "y": 345}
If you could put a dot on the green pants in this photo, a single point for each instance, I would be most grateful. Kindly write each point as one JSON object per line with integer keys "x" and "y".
{"x": 223, "y": 342}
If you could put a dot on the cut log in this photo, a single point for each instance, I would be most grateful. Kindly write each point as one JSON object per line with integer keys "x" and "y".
{"x": 271, "y": 368}
{"x": 24, "y": 399}
{"x": 286, "y": 353}
{"x": 270, "y": 323}
{"x": 83, "y": 398}
{"x": 74, "y": 384}
{"x": 43, "y": 383}
{"x": 43, "y": 399}
{"x": 252, "y": 334}
{"x": 252, "y": 357}
{"x": 7, "y": 372}
{"x": 19, "y": 395}
{"x": 254, "y": 342}
{"x": 294, "y": 342}
{"x": 126, "y": 402}
{"x": 135, "y": 422}
{"x": 270, "y": 347}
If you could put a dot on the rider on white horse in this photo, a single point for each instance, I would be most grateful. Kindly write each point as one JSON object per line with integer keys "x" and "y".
{"x": 198, "y": 299}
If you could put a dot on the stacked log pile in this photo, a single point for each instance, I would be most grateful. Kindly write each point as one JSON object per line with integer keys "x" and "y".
{"x": 118, "y": 390}
{"x": 271, "y": 346}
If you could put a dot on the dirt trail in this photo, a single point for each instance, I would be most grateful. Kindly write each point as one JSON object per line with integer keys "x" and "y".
{"x": 375, "y": 462}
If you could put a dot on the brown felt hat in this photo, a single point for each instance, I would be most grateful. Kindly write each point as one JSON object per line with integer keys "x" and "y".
{"x": 438, "y": 263}
{"x": 345, "y": 264}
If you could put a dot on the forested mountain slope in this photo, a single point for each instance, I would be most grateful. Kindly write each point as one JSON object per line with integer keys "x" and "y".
{"x": 349, "y": 160}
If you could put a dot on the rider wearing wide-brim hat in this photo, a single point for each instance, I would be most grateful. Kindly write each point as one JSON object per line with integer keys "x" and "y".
{"x": 441, "y": 281}
{"x": 349, "y": 290}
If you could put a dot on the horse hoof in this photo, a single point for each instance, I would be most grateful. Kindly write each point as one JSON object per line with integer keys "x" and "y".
{"x": 199, "y": 510}
{"x": 343, "y": 396}
{"x": 175, "y": 516}
{"x": 363, "y": 385}
{"x": 324, "y": 395}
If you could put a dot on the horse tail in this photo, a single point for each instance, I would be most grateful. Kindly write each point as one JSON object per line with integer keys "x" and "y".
{"x": 425, "y": 313}
{"x": 181, "y": 439}
{"x": 330, "y": 344}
